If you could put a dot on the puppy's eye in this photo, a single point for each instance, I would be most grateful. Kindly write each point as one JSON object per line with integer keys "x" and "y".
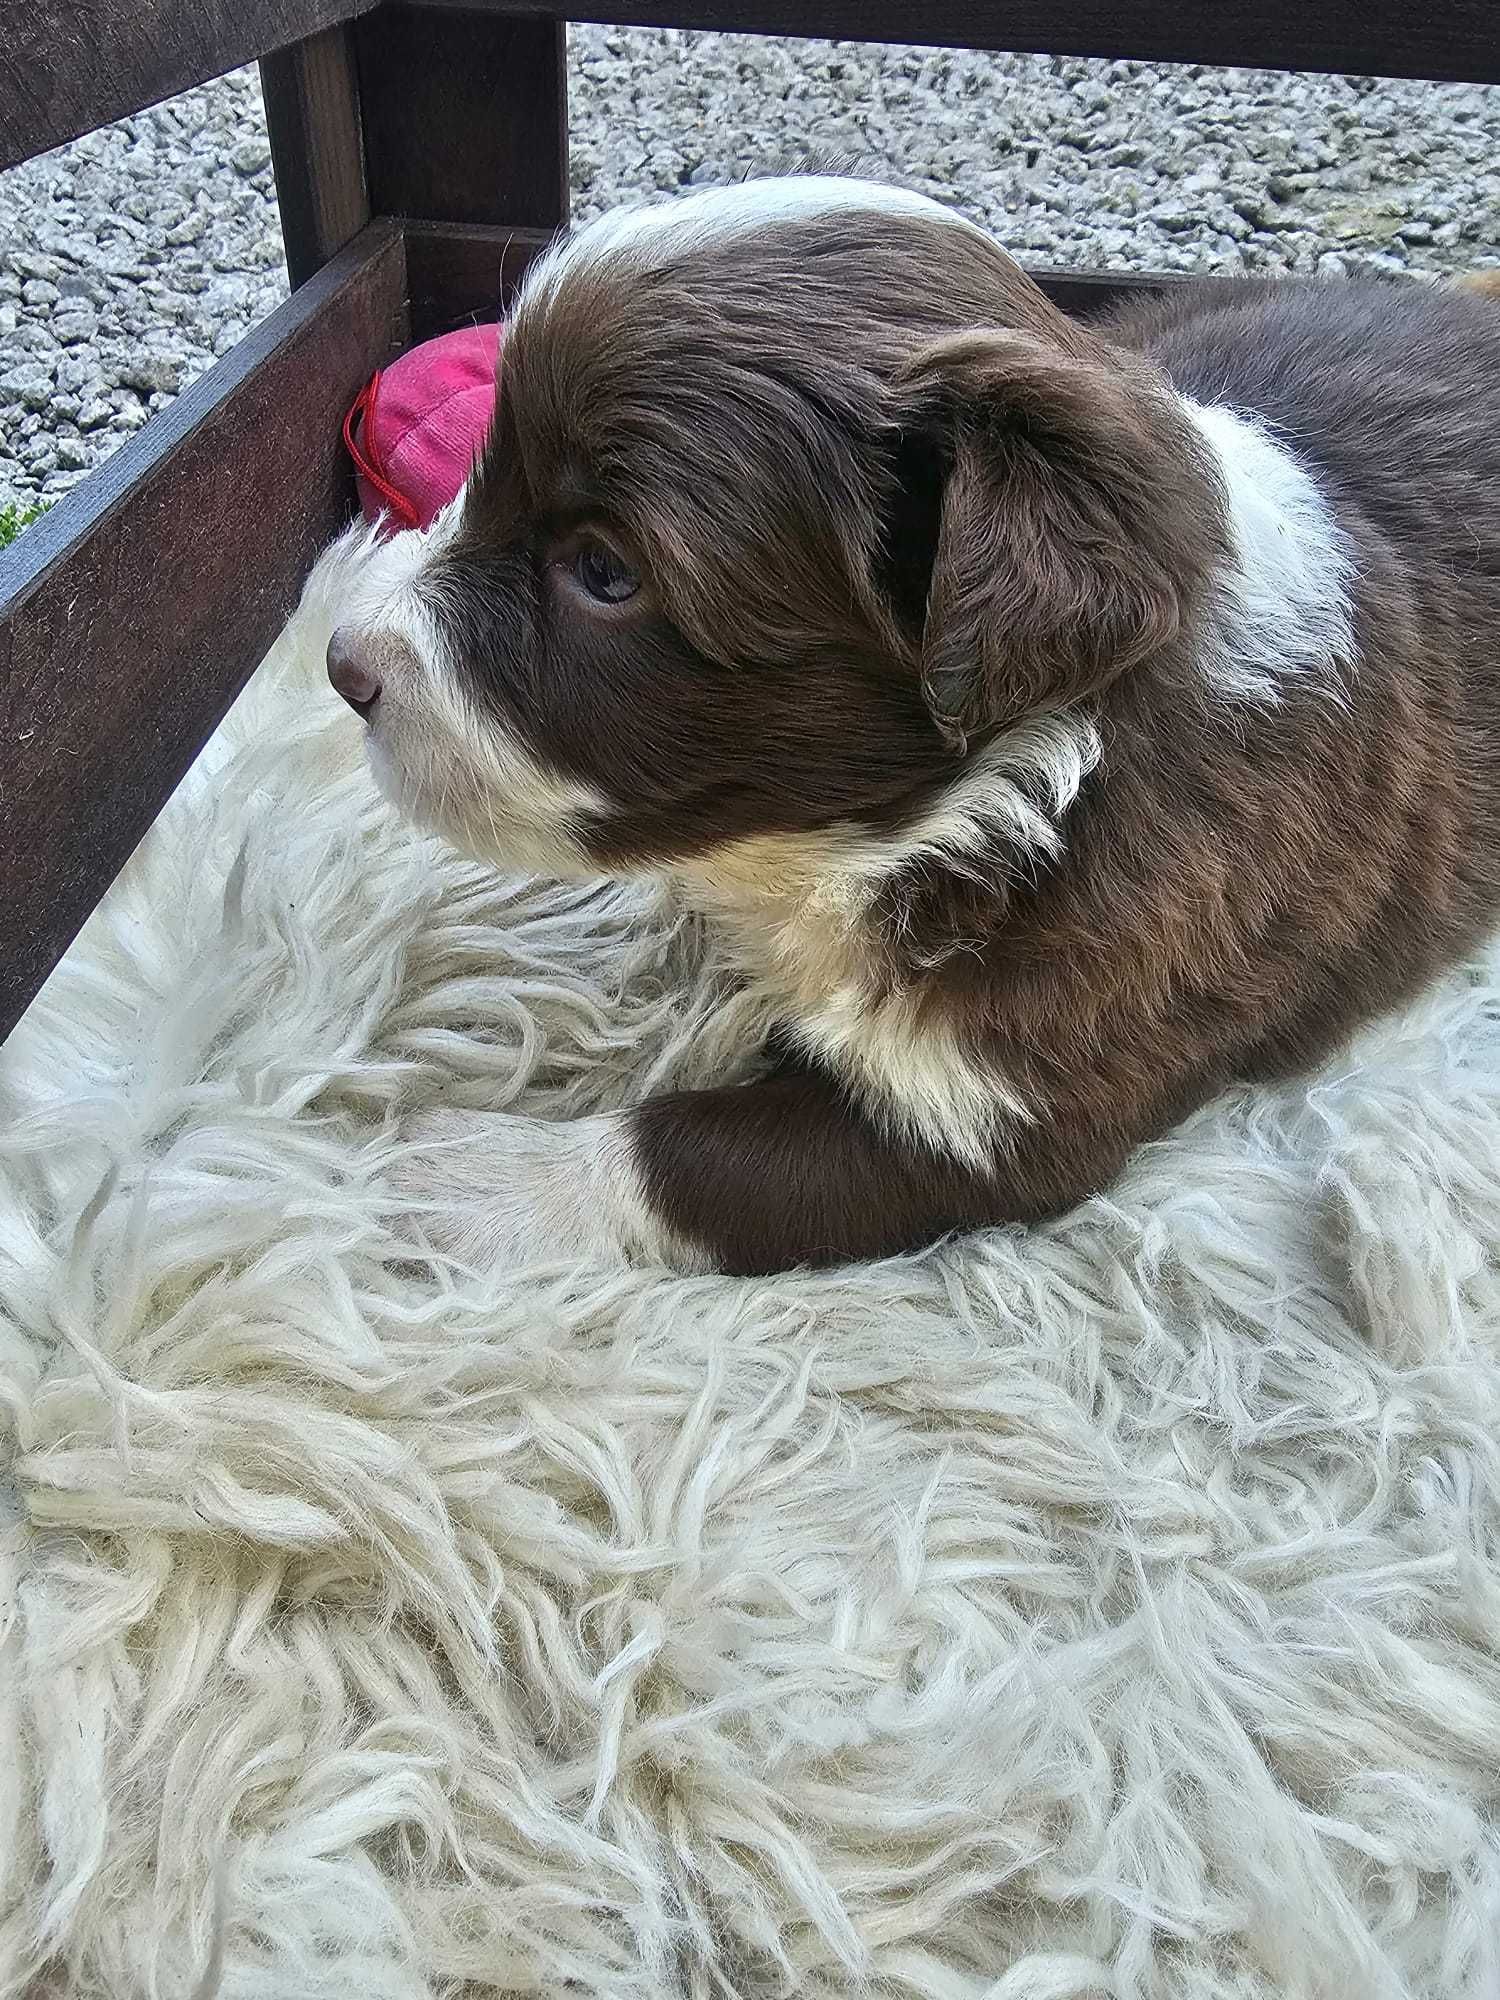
{"x": 604, "y": 575}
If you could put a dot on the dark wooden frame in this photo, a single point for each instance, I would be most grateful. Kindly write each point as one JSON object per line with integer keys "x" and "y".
{"x": 420, "y": 151}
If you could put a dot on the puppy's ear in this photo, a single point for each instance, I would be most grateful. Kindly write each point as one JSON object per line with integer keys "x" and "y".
{"x": 1063, "y": 513}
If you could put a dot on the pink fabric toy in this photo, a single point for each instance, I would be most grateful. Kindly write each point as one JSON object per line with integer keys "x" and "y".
{"x": 415, "y": 426}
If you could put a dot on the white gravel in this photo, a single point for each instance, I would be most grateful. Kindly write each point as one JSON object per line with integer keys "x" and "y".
{"x": 133, "y": 257}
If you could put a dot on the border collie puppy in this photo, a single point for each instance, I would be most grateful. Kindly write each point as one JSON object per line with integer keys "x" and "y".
{"x": 1064, "y": 721}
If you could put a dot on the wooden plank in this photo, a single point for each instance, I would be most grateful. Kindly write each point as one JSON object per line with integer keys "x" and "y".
{"x": 312, "y": 115}
{"x": 131, "y": 614}
{"x": 1084, "y": 292}
{"x": 465, "y": 116}
{"x": 1458, "y": 41}
{"x": 69, "y": 66}
{"x": 460, "y": 273}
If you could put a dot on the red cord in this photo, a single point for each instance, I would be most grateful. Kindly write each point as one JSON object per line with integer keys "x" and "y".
{"x": 368, "y": 467}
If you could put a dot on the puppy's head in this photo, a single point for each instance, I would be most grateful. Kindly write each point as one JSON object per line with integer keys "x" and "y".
{"x": 796, "y": 492}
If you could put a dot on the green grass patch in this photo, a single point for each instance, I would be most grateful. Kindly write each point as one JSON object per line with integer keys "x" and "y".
{"x": 14, "y": 517}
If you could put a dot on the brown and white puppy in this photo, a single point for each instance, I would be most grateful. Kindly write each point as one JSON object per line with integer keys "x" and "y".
{"x": 1063, "y": 721}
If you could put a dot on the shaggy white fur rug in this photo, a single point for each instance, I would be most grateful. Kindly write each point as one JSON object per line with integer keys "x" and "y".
{"x": 1102, "y": 1610}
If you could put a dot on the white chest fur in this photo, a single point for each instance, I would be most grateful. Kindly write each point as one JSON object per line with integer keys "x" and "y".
{"x": 797, "y": 913}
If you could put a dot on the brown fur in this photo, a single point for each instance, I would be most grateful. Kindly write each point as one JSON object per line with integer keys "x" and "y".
{"x": 888, "y": 504}
{"x": 1079, "y": 526}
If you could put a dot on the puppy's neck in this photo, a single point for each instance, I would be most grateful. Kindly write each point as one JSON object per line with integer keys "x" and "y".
{"x": 793, "y": 910}
{"x": 802, "y": 911}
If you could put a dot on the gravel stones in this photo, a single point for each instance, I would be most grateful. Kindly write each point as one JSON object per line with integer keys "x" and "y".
{"x": 132, "y": 258}
{"x": 29, "y": 387}
{"x": 128, "y": 260}
{"x": 1123, "y": 165}
{"x": 250, "y": 156}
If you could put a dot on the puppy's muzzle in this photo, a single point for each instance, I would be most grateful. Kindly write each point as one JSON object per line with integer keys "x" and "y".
{"x": 352, "y": 671}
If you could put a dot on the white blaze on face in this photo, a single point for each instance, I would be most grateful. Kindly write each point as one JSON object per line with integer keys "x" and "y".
{"x": 446, "y": 759}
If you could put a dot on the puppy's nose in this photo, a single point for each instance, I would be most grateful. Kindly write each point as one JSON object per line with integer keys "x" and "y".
{"x": 350, "y": 671}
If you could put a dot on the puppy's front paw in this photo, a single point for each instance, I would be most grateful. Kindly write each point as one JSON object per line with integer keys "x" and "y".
{"x": 498, "y": 1192}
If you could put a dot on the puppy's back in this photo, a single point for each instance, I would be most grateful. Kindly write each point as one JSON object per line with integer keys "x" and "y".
{"x": 1388, "y": 392}
{"x": 1388, "y": 395}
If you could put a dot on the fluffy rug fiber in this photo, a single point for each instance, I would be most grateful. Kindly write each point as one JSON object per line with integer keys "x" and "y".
{"x": 1094, "y": 1612}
